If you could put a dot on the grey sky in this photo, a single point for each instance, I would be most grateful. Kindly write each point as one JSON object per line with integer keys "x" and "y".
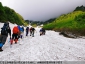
{"x": 42, "y": 9}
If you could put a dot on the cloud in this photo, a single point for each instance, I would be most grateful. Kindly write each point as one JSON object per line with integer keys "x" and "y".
{"x": 42, "y": 9}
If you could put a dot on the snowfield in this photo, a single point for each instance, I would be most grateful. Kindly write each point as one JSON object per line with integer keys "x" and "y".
{"x": 49, "y": 47}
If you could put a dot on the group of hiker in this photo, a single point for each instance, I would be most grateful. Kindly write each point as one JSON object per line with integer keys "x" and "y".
{"x": 17, "y": 32}
{"x": 32, "y": 30}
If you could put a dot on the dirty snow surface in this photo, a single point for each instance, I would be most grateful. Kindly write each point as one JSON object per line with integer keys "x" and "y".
{"x": 49, "y": 47}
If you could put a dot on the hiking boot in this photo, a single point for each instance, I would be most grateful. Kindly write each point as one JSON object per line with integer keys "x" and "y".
{"x": 1, "y": 50}
{"x": 11, "y": 41}
{"x": 40, "y": 34}
{"x": 16, "y": 41}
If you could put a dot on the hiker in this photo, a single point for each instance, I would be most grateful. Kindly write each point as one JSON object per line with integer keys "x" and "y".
{"x": 32, "y": 30}
{"x": 42, "y": 31}
{"x": 15, "y": 35}
{"x": 22, "y": 32}
{"x": 27, "y": 30}
{"x": 5, "y": 30}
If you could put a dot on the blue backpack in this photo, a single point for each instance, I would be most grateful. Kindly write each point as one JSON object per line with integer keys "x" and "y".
{"x": 23, "y": 28}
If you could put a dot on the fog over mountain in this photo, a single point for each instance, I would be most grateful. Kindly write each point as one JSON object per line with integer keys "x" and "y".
{"x": 41, "y": 10}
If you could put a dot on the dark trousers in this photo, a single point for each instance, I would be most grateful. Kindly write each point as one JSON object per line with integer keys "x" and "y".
{"x": 2, "y": 40}
{"x": 14, "y": 36}
{"x": 26, "y": 33}
{"x": 32, "y": 33}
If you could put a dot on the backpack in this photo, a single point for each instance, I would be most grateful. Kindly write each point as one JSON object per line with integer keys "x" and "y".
{"x": 4, "y": 30}
{"x": 23, "y": 28}
{"x": 15, "y": 30}
{"x": 33, "y": 29}
{"x": 40, "y": 30}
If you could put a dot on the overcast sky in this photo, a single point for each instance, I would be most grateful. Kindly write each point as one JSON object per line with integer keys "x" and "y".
{"x": 40, "y": 10}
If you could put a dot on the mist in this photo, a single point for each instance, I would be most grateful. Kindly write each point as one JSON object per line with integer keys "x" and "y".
{"x": 41, "y": 10}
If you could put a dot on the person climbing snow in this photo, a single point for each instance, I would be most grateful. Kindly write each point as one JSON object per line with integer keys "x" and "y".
{"x": 27, "y": 31}
{"x": 42, "y": 31}
{"x": 32, "y": 30}
{"x": 5, "y": 30}
{"x": 15, "y": 35}
{"x": 21, "y": 32}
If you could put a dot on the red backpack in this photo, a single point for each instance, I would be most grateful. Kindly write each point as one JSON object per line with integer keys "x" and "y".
{"x": 15, "y": 29}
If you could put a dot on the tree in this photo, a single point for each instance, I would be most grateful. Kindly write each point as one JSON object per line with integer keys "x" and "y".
{"x": 2, "y": 13}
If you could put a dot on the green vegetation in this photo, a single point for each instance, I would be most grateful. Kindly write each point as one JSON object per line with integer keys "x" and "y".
{"x": 72, "y": 22}
{"x": 80, "y": 8}
{"x": 7, "y": 14}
